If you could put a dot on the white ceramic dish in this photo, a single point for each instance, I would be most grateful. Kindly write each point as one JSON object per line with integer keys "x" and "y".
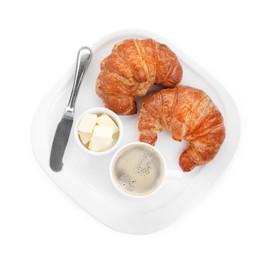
{"x": 115, "y": 118}
{"x": 86, "y": 179}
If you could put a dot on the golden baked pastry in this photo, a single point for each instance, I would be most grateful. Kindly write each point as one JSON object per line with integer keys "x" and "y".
{"x": 131, "y": 69}
{"x": 188, "y": 113}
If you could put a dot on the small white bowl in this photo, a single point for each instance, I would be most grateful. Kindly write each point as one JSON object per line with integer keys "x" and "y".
{"x": 132, "y": 170}
{"x": 99, "y": 111}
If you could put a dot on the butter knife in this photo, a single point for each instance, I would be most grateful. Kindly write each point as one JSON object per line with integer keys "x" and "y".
{"x": 64, "y": 127}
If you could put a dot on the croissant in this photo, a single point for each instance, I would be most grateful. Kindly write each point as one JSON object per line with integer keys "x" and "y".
{"x": 188, "y": 113}
{"x": 131, "y": 69}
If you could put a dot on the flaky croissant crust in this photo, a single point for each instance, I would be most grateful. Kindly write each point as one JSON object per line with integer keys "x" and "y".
{"x": 188, "y": 113}
{"x": 131, "y": 69}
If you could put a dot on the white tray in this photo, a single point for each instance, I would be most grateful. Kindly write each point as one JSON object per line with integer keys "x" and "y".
{"x": 86, "y": 178}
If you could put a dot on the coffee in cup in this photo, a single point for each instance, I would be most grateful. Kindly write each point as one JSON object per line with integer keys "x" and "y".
{"x": 137, "y": 169}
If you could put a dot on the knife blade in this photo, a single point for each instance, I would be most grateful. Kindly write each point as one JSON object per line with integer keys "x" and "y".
{"x": 64, "y": 127}
{"x": 60, "y": 143}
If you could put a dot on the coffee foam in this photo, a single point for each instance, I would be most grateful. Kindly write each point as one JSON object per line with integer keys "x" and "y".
{"x": 138, "y": 170}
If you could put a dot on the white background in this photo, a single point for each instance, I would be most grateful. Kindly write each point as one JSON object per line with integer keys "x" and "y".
{"x": 233, "y": 40}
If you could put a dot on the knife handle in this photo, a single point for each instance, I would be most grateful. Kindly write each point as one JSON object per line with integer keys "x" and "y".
{"x": 83, "y": 60}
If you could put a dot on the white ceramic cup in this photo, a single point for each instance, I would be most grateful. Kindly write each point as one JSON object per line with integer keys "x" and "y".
{"x": 137, "y": 170}
{"x": 98, "y": 111}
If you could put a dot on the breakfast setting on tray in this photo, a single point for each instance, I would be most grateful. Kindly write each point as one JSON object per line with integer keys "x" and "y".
{"x": 185, "y": 111}
{"x": 144, "y": 133}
